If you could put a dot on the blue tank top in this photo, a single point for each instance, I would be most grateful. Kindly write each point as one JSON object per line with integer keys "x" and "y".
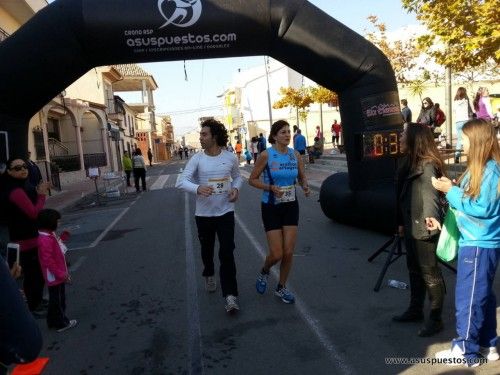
{"x": 284, "y": 169}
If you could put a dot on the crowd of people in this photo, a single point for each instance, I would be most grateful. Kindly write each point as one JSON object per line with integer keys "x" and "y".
{"x": 463, "y": 110}
{"x": 424, "y": 194}
{"x": 32, "y": 228}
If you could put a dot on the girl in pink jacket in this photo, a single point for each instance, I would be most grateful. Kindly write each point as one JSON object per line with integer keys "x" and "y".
{"x": 55, "y": 272}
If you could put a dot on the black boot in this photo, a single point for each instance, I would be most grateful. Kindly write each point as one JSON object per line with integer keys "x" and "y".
{"x": 410, "y": 315}
{"x": 434, "y": 324}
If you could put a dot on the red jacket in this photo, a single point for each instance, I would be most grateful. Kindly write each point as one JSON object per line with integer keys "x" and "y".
{"x": 52, "y": 260}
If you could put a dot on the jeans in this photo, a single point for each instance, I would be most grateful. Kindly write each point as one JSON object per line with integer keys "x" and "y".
{"x": 140, "y": 173}
{"x": 223, "y": 227}
{"x": 33, "y": 279}
{"x": 459, "y": 125}
{"x": 128, "y": 173}
{"x": 56, "y": 315}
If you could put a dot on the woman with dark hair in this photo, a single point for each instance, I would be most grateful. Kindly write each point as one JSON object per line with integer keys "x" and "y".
{"x": 419, "y": 216}
{"x": 462, "y": 112}
{"x": 476, "y": 199}
{"x": 139, "y": 166}
{"x": 427, "y": 114}
{"x": 281, "y": 167}
{"x": 22, "y": 202}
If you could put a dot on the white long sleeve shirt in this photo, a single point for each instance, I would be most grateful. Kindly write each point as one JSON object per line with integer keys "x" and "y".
{"x": 221, "y": 171}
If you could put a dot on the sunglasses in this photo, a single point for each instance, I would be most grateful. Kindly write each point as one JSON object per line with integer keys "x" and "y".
{"x": 18, "y": 168}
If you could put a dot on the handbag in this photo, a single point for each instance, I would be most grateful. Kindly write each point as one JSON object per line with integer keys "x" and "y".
{"x": 447, "y": 247}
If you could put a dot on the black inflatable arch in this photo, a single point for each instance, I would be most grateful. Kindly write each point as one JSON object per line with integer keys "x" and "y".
{"x": 69, "y": 37}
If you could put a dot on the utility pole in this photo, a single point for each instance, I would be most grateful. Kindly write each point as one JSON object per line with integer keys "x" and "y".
{"x": 449, "y": 102}
{"x": 266, "y": 66}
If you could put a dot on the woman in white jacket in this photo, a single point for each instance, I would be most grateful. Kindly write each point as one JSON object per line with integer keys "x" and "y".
{"x": 462, "y": 112}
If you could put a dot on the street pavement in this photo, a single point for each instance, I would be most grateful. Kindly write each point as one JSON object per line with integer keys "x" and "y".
{"x": 139, "y": 297}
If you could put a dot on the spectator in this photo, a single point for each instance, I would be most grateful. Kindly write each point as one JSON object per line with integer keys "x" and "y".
{"x": 336, "y": 131}
{"x": 262, "y": 143}
{"x": 51, "y": 252}
{"x": 405, "y": 111}
{"x": 254, "y": 147}
{"x": 34, "y": 174}
{"x": 462, "y": 112}
{"x": 317, "y": 149}
{"x": 127, "y": 166}
{"x": 248, "y": 156}
{"x": 21, "y": 339}
{"x": 419, "y": 206}
{"x": 238, "y": 148}
{"x": 150, "y": 157}
{"x": 476, "y": 200}
{"x": 427, "y": 114}
{"x": 319, "y": 133}
{"x": 22, "y": 203}
{"x": 299, "y": 143}
{"x": 482, "y": 104}
{"x": 139, "y": 166}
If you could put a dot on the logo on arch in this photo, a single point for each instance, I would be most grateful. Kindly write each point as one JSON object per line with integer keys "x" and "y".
{"x": 181, "y": 13}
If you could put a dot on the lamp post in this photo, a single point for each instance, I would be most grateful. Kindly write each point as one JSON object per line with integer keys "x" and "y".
{"x": 266, "y": 66}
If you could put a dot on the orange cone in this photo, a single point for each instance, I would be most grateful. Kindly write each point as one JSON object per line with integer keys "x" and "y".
{"x": 33, "y": 368}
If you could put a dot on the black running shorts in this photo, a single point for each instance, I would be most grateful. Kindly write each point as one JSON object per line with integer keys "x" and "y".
{"x": 280, "y": 215}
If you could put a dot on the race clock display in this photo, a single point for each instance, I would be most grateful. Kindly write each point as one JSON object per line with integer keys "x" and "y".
{"x": 379, "y": 144}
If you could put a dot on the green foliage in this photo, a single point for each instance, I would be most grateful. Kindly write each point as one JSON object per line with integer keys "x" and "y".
{"x": 468, "y": 29}
{"x": 401, "y": 54}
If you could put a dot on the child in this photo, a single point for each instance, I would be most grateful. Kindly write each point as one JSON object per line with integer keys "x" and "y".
{"x": 477, "y": 202}
{"x": 51, "y": 253}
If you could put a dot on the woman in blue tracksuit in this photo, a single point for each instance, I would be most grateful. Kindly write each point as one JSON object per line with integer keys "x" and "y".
{"x": 477, "y": 202}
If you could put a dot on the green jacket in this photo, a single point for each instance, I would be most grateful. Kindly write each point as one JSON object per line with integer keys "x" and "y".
{"x": 127, "y": 163}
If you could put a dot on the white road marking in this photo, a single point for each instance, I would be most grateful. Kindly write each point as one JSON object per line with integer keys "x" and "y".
{"x": 158, "y": 184}
{"x": 77, "y": 264}
{"x": 193, "y": 314}
{"x": 335, "y": 356}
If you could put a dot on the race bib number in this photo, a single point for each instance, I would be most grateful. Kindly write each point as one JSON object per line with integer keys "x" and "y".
{"x": 288, "y": 194}
{"x": 220, "y": 185}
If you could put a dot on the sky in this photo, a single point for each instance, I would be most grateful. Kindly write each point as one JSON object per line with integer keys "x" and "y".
{"x": 209, "y": 78}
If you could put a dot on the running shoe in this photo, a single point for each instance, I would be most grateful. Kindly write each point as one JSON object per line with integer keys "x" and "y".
{"x": 232, "y": 304}
{"x": 261, "y": 283}
{"x": 71, "y": 324}
{"x": 491, "y": 353}
{"x": 285, "y": 295}
{"x": 210, "y": 284}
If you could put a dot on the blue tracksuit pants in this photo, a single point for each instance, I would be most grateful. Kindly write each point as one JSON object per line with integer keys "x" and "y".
{"x": 475, "y": 299}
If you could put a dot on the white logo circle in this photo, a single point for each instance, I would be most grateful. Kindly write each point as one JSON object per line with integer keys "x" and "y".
{"x": 186, "y": 12}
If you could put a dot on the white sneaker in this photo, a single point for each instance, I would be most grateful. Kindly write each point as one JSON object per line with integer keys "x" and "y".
{"x": 232, "y": 304}
{"x": 491, "y": 353}
{"x": 454, "y": 357}
{"x": 71, "y": 324}
{"x": 210, "y": 284}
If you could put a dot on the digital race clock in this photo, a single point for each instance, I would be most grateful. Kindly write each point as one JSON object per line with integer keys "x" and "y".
{"x": 379, "y": 143}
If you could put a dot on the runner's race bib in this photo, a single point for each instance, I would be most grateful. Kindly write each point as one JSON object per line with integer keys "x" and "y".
{"x": 220, "y": 185}
{"x": 288, "y": 194}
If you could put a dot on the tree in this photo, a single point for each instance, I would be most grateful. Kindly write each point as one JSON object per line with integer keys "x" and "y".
{"x": 468, "y": 30}
{"x": 402, "y": 54}
{"x": 322, "y": 96}
{"x": 300, "y": 99}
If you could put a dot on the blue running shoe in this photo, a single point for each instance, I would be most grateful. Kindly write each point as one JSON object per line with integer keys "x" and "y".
{"x": 285, "y": 295}
{"x": 261, "y": 283}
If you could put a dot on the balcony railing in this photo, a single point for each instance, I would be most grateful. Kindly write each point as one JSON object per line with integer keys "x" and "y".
{"x": 3, "y": 35}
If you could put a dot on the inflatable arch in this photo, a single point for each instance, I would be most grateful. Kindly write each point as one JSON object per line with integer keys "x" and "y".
{"x": 69, "y": 37}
